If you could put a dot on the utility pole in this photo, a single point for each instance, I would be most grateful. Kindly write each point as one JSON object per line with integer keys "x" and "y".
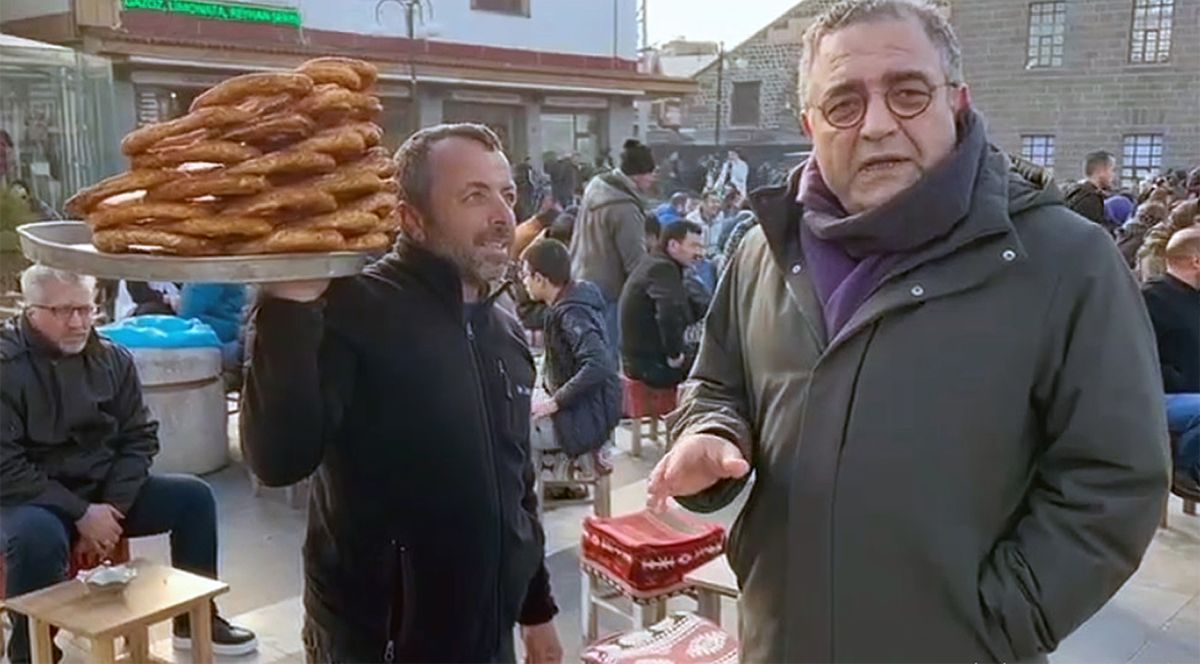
{"x": 414, "y": 10}
{"x": 720, "y": 93}
{"x": 644, "y": 21}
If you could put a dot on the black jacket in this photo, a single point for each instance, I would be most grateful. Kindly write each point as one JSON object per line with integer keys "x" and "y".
{"x": 423, "y": 540}
{"x": 1087, "y": 200}
{"x": 74, "y": 428}
{"x": 579, "y": 370}
{"x": 1175, "y": 311}
{"x": 654, "y": 312}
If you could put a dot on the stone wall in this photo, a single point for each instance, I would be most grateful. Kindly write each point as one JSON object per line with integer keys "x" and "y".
{"x": 1096, "y": 97}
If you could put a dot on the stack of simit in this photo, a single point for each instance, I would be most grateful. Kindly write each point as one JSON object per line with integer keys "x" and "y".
{"x": 262, "y": 163}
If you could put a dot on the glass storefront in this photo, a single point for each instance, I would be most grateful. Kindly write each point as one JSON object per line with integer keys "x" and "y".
{"x": 578, "y": 132}
{"x": 56, "y": 117}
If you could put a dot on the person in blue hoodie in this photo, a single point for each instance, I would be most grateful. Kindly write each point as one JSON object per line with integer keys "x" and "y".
{"x": 580, "y": 376}
{"x": 673, "y": 210}
{"x": 221, "y": 307}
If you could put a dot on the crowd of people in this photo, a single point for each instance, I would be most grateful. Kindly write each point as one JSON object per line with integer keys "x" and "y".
{"x": 960, "y": 401}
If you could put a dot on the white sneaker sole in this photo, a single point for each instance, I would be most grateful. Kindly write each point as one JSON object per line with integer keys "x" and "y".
{"x": 225, "y": 649}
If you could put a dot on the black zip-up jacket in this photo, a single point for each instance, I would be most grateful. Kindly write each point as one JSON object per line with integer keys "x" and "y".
{"x": 423, "y": 541}
{"x": 1175, "y": 311}
{"x": 655, "y": 310}
{"x": 75, "y": 430}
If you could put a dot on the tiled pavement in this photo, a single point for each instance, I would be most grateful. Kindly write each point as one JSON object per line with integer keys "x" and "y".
{"x": 1154, "y": 618}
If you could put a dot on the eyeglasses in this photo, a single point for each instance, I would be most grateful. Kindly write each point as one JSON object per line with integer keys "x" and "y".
{"x": 64, "y": 312}
{"x": 905, "y": 100}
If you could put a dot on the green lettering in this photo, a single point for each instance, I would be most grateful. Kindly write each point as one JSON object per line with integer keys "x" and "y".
{"x": 218, "y": 11}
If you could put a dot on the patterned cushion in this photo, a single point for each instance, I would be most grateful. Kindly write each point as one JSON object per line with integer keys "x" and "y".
{"x": 641, "y": 400}
{"x": 647, "y": 554}
{"x": 683, "y": 638}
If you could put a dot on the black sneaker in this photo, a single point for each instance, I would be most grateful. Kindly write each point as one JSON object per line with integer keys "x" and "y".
{"x": 227, "y": 639}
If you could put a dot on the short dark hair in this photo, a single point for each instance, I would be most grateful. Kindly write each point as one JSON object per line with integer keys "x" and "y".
{"x": 550, "y": 259}
{"x": 412, "y": 159}
{"x": 678, "y": 231}
{"x": 1096, "y": 160}
{"x": 651, "y": 225}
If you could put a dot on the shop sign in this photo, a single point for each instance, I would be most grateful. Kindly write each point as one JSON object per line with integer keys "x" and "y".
{"x": 219, "y": 11}
{"x": 576, "y": 102}
{"x": 471, "y": 96}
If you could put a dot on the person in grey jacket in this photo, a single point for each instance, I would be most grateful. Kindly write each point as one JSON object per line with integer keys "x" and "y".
{"x": 957, "y": 437}
{"x": 609, "y": 237}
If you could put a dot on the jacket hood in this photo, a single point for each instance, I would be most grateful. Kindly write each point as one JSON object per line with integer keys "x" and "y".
{"x": 582, "y": 294}
{"x": 1029, "y": 186}
{"x": 610, "y": 188}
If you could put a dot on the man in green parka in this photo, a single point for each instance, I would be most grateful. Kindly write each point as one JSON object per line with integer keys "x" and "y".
{"x": 944, "y": 382}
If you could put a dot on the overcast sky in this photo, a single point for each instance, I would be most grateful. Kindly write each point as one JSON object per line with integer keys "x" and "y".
{"x": 730, "y": 21}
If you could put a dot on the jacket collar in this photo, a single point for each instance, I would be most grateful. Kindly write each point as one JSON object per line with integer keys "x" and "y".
{"x": 982, "y": 243}
{"x": 913, "y": 219}
{"x": 20, "y": 337}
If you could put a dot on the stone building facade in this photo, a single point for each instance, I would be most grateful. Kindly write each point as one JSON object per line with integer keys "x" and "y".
{"x": 1057, "y": 80}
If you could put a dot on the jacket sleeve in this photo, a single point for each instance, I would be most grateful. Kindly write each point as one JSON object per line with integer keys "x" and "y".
{"x": 715, "y": 399}
{"x": 627, "y": 224}
{"x": 671, "y": 307}
{"x": 586, "y": 341}
{"x": 1172, "y": 376}
{"x": 21, "y": 481}
{"x": 539, "y": 606}
{"x": 137, "y": 440}
{"x": 1099, "y": 486}
{"x": 298, "y": 385}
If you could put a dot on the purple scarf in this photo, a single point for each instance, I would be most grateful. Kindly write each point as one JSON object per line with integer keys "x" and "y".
{"x": 848, "y": 256}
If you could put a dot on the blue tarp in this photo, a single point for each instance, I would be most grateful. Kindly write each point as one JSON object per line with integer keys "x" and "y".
{"x": 160, "y": 332}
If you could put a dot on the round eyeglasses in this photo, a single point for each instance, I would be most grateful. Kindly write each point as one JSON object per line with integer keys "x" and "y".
{"x": 905, "y": 100}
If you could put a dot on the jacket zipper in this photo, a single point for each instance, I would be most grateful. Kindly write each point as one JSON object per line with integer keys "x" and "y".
{"x": 389, "y": 652}
{"x": 491, "y": 452}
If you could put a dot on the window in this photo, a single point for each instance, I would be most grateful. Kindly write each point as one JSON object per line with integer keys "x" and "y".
{"x": 1141, "y": 156}
{"x": 744, "y": 104}
{"x": 1047, "y": 34}
{"x": 1150, "y": 40}
{"x": 1038, "y": 148}
{"x": 514, "y": 7}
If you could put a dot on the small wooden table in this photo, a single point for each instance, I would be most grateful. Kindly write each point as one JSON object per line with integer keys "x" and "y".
{"x": 157, "y": 594}
{"x": 712, "y": 581}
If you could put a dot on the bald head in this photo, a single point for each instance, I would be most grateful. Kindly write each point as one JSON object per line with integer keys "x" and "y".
{"x": 1183, "y": 256}
{"x": 1184, "y": 244}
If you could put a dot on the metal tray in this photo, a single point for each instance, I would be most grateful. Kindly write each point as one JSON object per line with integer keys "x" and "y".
{"x": 67, "y": 245}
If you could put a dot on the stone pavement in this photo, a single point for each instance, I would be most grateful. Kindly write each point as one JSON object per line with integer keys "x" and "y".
{"x": 1154, "y": 618}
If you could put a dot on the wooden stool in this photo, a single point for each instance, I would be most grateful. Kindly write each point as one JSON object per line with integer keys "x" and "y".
{"x": 624, "y": 556}
{"x": 158, "y": 593}
{"x": 79, "y": 561}
{"x": 710, "y": 582}
{"x": 645, "y": 404}
{"x": 601, "y": 488}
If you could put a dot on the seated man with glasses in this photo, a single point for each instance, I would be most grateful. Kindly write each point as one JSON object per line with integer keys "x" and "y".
{"x": 76, "y": 444}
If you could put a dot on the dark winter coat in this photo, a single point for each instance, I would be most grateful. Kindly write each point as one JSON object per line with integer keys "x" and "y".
{"x": 1087, "y": 200}
{"x": 413, "y": 410}
{"x": 1175, "y": 311}
{"x": 74, "y": 428}
{"x": 580, "y": 375}
{"x": 655, "y": 310}
{"x": 970, "y": 469}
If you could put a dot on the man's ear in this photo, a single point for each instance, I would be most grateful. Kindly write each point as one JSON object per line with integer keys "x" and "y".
{"x": 962, "y": 99}
{"x": 806, "y": 123}
{"x": 412, "y": 222}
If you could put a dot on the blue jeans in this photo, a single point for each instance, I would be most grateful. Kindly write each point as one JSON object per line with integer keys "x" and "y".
{"x": 1183, "y": 420}
{"x": 37, "y": 541}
